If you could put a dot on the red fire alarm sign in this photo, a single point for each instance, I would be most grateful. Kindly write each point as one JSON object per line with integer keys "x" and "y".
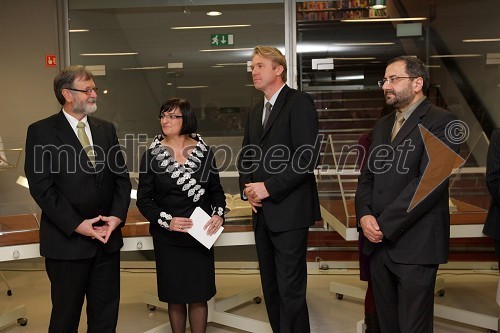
{"x": 50, "y": 60}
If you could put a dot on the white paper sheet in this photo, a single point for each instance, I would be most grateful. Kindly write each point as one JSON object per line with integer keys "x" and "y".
{"x": 200, "y": 218}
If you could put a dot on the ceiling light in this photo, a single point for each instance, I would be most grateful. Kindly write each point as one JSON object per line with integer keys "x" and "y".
{"x": 350, "y": 77}
{"x": 191, "y": 87}
{"x": 108, "y": 54}
{"x": 214, "y": 13}
{"x": 143, "y": 68}
{"x": 400, "y": 19}
{"x": 226, "y": 50}
{"x": 233, "y": 64}
{"x": 455, "y": 56}
{"x": 483, "y": 40}
{"x": 312, "y": 48}
{"x": 365, "y": 44}
{"x": 212, "y": 26}
{"x": 79, "y": 30}
{"x": 359, "y": 58}
{"x": 377, "y": 4}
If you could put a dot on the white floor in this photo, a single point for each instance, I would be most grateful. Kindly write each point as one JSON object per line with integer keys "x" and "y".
{"x": 469, "y": 290}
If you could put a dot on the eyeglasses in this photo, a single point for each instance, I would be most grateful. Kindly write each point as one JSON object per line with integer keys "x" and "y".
{"x": 86, "y": 91}
{"x": 168, "y": 116}
{"x": 394, "y": 79}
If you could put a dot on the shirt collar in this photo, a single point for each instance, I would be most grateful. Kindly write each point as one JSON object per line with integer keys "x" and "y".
{"x": 409, "y": 110}
{"x": 274, "y": 97}
{"x": 73, "y": 121}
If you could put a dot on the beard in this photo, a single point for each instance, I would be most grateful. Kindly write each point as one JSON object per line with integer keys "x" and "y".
{"x": 401, "y": 99}
{"x": 83, "y": 107}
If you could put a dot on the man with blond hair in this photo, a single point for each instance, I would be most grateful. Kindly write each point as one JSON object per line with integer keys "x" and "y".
{"x": 279, "y": 154}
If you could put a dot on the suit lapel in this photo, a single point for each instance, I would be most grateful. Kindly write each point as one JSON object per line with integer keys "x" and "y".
{"x": 98, "y": 138}
{"x": 276, "y": 109}
{"x": 387, "y": 129}
{"x": 257, "y": 118}
{"x": 65, "y": 133}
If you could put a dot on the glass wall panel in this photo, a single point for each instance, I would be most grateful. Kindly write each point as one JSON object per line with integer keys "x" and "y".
{"x": 146, "y": 52}
{"x": 343, "y": 47}
{"x": 173, "y": 48}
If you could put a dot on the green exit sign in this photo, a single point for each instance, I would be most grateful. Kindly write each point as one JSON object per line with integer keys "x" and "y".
{"x": 221, "y": 39}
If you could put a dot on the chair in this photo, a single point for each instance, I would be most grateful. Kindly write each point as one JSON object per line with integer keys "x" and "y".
{"x": 3, "y": 158}
{"x": 9, "y": 291}
{"x": 4, "y": 163}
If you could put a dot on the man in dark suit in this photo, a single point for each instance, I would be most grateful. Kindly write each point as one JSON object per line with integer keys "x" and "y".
{"x": 406, "y": 243}
{"x": 279, "y": 154}
{"x": 492, "y": 223}
{"x": 77, "y": 175}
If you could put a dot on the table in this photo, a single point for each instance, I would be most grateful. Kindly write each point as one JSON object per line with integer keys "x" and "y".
{"x": 16, "y": 242}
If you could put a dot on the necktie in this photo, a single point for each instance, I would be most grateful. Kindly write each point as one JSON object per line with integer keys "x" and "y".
{"x": 84, "y": 140}
{"x": 268, "y": 112}
{"x": 398, "y": 124}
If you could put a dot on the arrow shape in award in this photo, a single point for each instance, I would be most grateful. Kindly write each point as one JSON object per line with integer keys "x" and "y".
{"x": 442, "y": 162}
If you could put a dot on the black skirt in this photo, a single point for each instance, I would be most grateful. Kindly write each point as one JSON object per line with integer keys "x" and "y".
{"x": 184, "y": 274}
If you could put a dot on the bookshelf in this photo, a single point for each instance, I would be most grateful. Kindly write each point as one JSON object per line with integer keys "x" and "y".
{"x": 377, "y": 13}
{"x": 336, "y": 10}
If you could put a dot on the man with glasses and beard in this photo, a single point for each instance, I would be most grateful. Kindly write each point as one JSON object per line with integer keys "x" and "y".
{"x": 406, "y": 244}
{"x": 77, "y": 175}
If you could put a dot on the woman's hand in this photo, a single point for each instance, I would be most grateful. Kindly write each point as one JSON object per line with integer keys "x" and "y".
{"x": 213, "y": 225}
{"x": 180, "y": 224}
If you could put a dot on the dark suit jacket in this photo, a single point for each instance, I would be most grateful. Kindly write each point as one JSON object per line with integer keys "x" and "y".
{"x": 159, "y": 192}
{"x": 492, "y": 224}
{"x": 421, "y": 235}
{"x": 284, "y": 156}
{"x": 69, "y": 190}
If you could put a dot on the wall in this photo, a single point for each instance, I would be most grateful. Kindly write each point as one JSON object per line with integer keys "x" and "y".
{"x": 28, "y": 32}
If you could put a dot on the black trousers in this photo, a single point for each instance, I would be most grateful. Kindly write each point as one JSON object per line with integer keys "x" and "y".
{"x": 283, "y": 273}
{"x": 404, "y": 294}
{"x": 97, "y": 279}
